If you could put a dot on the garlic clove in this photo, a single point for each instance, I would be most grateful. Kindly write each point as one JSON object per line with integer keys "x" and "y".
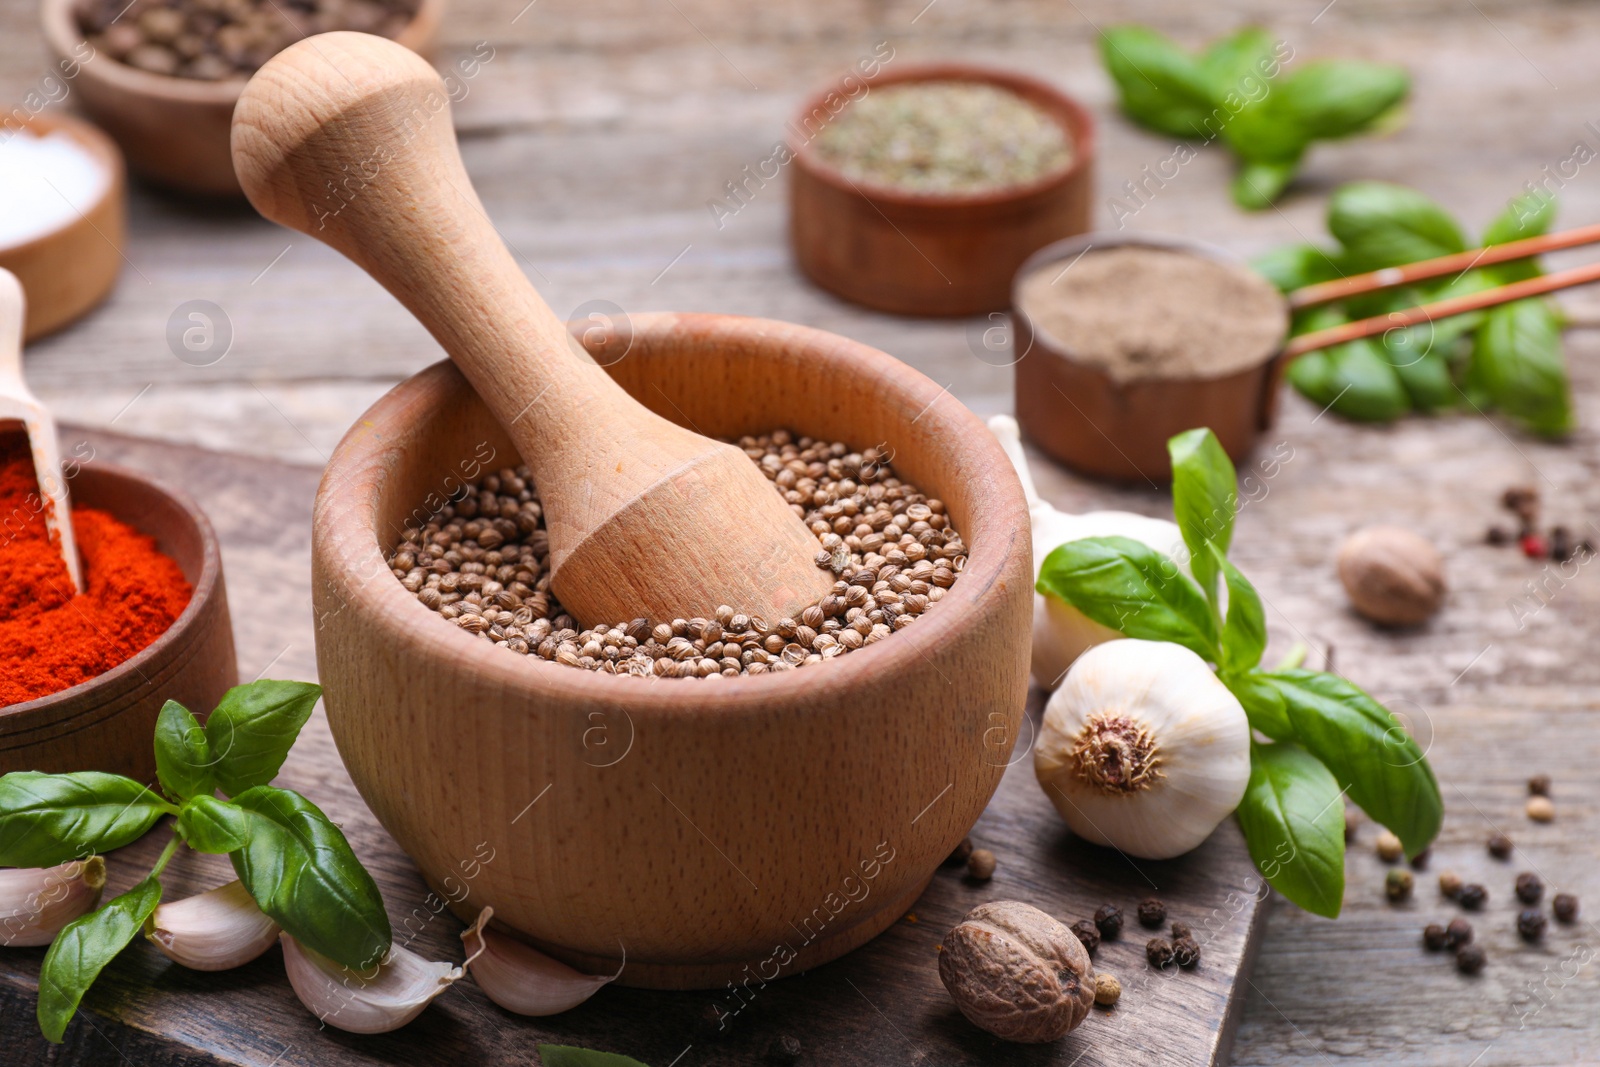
{"x": 522, "y": 979}
{"x": 366, "y": 1002}
{"x": 36, "y": 902}
{"x": 216, "y": 930}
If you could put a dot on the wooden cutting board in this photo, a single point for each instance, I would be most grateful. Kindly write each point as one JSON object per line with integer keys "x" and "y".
{"x": 882, "y": 1004}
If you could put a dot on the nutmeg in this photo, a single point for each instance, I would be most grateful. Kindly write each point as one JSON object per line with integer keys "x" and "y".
{"x": 1017, "y": 973}
{"x": 1393, "y": 576}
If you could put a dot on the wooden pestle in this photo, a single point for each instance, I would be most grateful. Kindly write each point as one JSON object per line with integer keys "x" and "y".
{"x": 347, "y": 137}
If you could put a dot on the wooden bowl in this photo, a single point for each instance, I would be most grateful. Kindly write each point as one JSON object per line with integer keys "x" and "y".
{"x": 1078, "y": 414}
{"x": 71, "y": 269}
{"x": 174, "y": 130}
{"x": 108, "y": 723}
{"x": 924, "y": 253}
{"x": 771, "y": 822}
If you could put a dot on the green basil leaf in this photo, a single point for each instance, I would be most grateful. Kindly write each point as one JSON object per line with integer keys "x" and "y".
{"x": 302, "y": 872}
{"x": 1367, "y": 750}
{"x": 1294, "y": 266}
{"x": 183, "y": 756}
{"x": 1365, "y": 385}
{"x": 1293, "y": 821}
{"x": 1426, "y": 377}
{"x": 1528, "y": 215}
{"x": 1263, "y": 704}
{"x": 1244, "y": 634}
{"x": 46, "y": 819}
{"x": 83, "y": 948}
{"x": 1133, "y": 589}
{"x": 1337, "y": 98}
{"x": 1259, "y": 183}
{"x": 1518, "y": 363}
{"x": 253, "y": 729}
{"x": 214, "y": 826}
{"x": 1205, "y": 495}
{"x": 1242, "y": 63}
{"x": 568, "y": 1056}
{"x": 1385, "y": 225}
{"x": 1160, "y": 86}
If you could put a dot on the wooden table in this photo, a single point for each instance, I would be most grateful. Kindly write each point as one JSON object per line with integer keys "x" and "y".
{"x": 597, "y": 134}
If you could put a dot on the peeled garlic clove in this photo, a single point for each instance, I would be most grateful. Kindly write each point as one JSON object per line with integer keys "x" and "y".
{"x": 36, "y": 902}
{"x": 522, "y": 979}
{"x": 213, "y": 931}
{"x": 365, "y": 1002}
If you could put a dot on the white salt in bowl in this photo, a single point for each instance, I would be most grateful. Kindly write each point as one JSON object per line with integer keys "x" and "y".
{"x": 63, "y": 194}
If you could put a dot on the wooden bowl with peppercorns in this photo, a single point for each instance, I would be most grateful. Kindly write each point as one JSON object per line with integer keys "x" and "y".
{"x": 703, "y": 829}
{"x": 165, "y": 93}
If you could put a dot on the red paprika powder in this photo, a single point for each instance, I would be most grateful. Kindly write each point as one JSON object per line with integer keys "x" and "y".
{"x": 51, "y": 639}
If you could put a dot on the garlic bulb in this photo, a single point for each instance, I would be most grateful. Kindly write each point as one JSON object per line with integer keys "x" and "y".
{"x": 213, "y": 931}
{"x": 522, "y": 979}
{"x": 1143, "y": 748}
{"x": 366, "y": 1002}
{"x": 1061, "y": 633}
{"x": 36, "y": 902}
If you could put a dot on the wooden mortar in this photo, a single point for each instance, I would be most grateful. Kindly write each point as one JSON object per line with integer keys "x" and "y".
{"x": 712, "y": 831}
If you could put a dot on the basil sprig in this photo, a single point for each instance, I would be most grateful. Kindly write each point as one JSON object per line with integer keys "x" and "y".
{"x": 290, "y": 857}
{"x": 570, "y": 1056}
{"x": 1326, "y": 738}
{"x": 1507, "y": 358}
{"x": 1236, "y": 90}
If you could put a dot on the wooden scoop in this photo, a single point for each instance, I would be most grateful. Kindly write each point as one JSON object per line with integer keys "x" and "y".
{"x": 17, "y": 403}
{"x": 347, "y": 137}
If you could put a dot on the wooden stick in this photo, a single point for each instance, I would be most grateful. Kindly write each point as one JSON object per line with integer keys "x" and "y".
{"x": 1440, "y": 309}
{"x": 1455, "y": 263}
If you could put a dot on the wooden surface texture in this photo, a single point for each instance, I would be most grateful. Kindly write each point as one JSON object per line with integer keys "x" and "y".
{"x": 597, "y": 134}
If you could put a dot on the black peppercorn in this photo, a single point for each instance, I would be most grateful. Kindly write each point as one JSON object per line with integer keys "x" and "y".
{"x": 1158, "y": 950}
{"x": 1152, "y": 913}
{"x": 1087, "y": 934}
{"x": 1472, "y": 896}
{"x": 1530, "y": 924}
{"x": 958, "y": 858}
{"x": 1565, "y": 905}
{"x": 1181, "y": 930}
{"x": 1435, "y": 937}
{"x": 1458, "y": 933}
{"x": 1109, "y": 920}
{"x": 1561, "y": 546}
{"x": 1497, "y": 535}
{"x": 1186, "y": 952}
{"x": 1470, "y": 959}
{"x": 784, "y": 1049}
{"x": 1529, "y": 887}
{"x": 1499, "y": 846}
{"x": 1539, "y": 785}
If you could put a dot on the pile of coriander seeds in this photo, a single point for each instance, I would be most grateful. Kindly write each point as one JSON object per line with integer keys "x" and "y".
{"x": 482, "y": 563}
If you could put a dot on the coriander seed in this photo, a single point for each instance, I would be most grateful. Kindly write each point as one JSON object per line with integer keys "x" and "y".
{"x": 1530, "y": 924}
{"x": 980, "y": 865}
{"x": 1088, "y": 934}
{"x": 1540, "y": 809}
{"x": 1389, "y": 848}
{"x": 1529, "y": 887}
{"x": 1107, "y": 990}
{"x": 1108, "y": 919}
{"x": 1565, "y": 907}
{"x": 1152, "y": 913}
{"x": 1449, "y": 884}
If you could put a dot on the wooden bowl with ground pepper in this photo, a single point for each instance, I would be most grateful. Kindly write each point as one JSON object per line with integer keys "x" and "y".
{"x": 147, "y": 552}
{"x": 703, "y": 825}
{"x": 163, "y": 84}
{"x": 1123, "y": 340}
{"x": 921, "y": 189}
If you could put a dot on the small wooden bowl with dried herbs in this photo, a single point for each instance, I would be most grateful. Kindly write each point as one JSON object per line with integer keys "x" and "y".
{"x": 921, "y": 189}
